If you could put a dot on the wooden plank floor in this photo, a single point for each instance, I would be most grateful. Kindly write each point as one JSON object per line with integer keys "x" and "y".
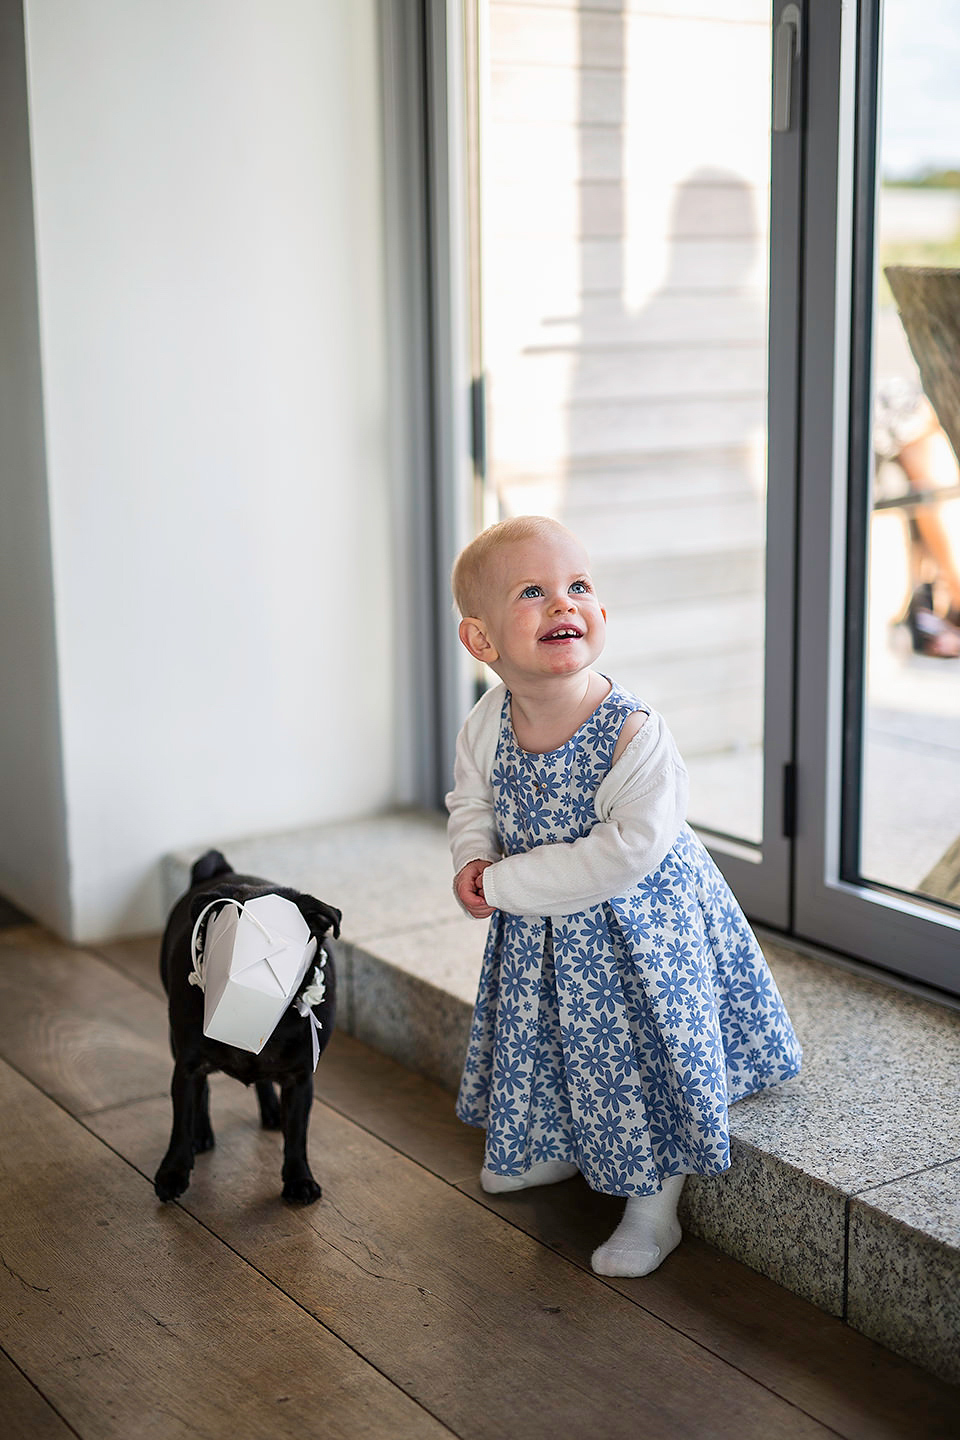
{"x": 404, "y": 1303}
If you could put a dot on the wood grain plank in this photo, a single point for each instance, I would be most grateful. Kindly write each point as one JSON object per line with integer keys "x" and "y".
{"x": 494, "y": 1334}
{"x": 851, "y": 1384}
{"x": 133, "y": 1320}
{"x": 24, "y": 1413}
{"x": 411, "y": 1114}
{"x": 85, "y": 1034}
{"x": 137, "y": 958}
{"x": 827, "y": 1369}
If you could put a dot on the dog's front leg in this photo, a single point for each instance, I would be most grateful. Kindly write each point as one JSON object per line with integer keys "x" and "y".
{"x": 186, "y": 1091}
{"x": 202, "y": 1129}
{"x": 296, "y": 1097}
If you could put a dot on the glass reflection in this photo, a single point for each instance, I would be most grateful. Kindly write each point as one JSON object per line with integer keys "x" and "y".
{"x": 911, "y": 752}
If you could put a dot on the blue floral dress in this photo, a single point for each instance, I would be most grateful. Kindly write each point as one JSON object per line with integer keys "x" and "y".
{"x": 615, "y": 1037}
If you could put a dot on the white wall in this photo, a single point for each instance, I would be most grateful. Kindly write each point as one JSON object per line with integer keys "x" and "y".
{"x": 33, "y": 852}
{"x": 207, "y": 194}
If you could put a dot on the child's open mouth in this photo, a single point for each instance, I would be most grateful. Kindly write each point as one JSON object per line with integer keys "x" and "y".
{"x": 562, "y": 632}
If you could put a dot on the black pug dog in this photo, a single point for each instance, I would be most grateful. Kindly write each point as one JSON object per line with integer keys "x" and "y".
{"x": 286, "y": 1058}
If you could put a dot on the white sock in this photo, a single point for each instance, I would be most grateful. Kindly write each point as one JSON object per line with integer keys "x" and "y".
{"x": 645, "y": 1236}
{"x": 548, "y": 1172}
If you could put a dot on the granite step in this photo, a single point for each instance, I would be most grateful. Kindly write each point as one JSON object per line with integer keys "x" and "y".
{"x": 844, "y": 1184}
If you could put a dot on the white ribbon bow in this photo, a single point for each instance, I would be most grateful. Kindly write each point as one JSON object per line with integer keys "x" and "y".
{"x": 310, "y": 996}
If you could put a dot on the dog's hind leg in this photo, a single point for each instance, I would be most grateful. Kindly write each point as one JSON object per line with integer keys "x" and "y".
{"x": 186, "y": 1090}
{"x": 271, "y": 1117}
{"x": 298, "y": 1183}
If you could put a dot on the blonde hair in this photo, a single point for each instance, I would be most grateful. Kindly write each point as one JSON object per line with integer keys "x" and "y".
{"x": 469, "y": 570}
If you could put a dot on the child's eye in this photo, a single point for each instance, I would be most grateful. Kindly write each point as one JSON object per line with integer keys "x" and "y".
{"x": 580, "y": 587}
{"x": 530, "y": 592}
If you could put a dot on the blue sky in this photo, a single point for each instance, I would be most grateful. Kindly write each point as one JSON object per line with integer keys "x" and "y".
{"x": 920, "y": 98}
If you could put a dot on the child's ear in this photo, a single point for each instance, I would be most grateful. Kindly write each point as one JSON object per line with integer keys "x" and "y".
{"x": 474, "y": 636}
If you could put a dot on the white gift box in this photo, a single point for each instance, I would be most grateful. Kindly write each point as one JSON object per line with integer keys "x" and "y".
{"x": 254, "y": 959}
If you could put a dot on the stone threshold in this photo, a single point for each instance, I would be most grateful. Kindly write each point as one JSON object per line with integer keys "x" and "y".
{"x": 845, "y": 1182}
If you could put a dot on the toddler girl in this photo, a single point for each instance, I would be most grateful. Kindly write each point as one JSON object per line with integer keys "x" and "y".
{"x": 624, "y": 1002}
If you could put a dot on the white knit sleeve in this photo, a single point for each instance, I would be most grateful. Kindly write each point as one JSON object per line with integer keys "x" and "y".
{"x": 471, "y": 830}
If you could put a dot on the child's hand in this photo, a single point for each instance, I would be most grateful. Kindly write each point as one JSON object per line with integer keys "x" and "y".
{"x": 469, "y": 889}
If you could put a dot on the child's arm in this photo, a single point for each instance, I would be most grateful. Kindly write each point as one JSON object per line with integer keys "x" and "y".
{"x": 471, "y": 829}
{"x": 641, "y": 807}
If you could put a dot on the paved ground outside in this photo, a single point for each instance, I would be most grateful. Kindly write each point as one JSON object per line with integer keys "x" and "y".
{"x": 911, "y": 787}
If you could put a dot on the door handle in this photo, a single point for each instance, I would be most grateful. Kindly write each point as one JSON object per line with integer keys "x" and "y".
{"x": 786, "y": 48}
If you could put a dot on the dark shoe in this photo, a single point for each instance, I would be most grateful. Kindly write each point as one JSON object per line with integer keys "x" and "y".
{"x": 929, "y": 632}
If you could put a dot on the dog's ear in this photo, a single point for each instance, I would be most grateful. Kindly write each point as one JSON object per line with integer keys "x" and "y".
{"x": 209, "y": 867}
{"x": 319, "y": 916}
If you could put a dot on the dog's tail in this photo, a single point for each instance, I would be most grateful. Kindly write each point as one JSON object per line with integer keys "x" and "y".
{"x": 208, "y": 867}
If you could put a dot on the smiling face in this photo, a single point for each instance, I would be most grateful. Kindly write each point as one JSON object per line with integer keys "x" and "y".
{"x": 541, "y": 616}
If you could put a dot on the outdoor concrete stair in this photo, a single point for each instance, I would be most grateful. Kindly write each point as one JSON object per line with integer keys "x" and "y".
{"x": 845, "y": 1182}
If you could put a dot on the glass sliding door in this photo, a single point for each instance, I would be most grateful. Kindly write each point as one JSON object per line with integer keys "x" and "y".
{"x": 714, "y": 325}
{"x": 878, "y": 852}
{"x": 631, "y": 205}
{"x": 910, "y": 812}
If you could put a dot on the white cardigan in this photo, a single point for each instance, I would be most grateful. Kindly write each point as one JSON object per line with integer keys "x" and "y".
{"x": 640, "y": 805}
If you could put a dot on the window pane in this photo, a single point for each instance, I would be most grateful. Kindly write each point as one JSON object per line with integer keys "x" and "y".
{"x": 624, "y": 195}
{"x": 911, "y": 744}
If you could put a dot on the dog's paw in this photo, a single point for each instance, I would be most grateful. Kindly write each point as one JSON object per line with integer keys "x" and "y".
{"x": 302, "y": 1192}
{"x": 169, "y": 1183}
